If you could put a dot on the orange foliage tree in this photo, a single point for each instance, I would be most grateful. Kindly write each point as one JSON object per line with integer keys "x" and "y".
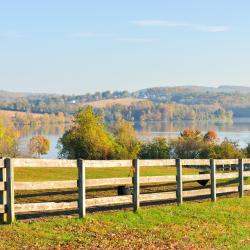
{"x": 38, "y": 145}
{"x": 211, "y": 137}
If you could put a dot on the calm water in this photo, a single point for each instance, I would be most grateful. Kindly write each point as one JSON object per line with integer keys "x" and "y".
{"x": 238, "y": 130}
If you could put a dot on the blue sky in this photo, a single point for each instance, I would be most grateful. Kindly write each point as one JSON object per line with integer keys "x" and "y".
{"x": 86, "y": 46}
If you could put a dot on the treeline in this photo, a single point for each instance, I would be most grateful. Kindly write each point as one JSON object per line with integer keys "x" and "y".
{"x": 91, "y": 138}
{"x": 149, "y": 111}
{"x": 230, "y": 98}
{"x": 21, "y": 119}
{"x": 170, "y": 103}
{"x": 68, "y": 104}
{"x": 40, "y": 105}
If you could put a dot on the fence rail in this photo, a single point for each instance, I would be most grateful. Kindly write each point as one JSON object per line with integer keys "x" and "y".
{"x": 8, "y": 185}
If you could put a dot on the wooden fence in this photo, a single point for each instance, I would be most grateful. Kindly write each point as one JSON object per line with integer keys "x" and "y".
{"x": 8, "y": 185}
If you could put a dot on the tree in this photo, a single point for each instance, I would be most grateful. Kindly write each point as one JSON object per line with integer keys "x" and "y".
{"x": 38, "y": 145}
{"x": 128, "y": 146}
{"x": 87, "y": 139}
{"x": 158, "y": 148}
{"x": 9, "y": 137}
{"x": 190, "y": 133}
{"x": 211, "y": 137}
{"x": 188, "y": 145}
{"x": 247, "y": 150}
{"x": 226, "y": 150}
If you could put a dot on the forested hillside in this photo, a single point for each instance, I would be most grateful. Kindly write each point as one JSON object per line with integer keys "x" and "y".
{"x": 163, "y": 103}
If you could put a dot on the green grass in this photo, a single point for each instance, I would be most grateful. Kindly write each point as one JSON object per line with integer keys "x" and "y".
{"x": 47, "y": 174}
{"x": 221, "y": 225}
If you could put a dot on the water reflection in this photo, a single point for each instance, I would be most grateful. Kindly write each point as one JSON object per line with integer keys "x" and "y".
{"x": 237, "y": 130}
{"x": 53, "y": 129}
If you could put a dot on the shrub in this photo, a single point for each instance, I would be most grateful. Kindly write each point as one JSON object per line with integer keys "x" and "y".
{"x": 158, "y": 148}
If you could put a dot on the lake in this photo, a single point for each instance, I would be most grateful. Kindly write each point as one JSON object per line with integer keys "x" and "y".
{"x": 237, "y": 130}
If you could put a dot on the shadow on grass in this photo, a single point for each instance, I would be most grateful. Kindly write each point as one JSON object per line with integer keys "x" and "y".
{"x": 127, "y": 207}
{"x": 71, "y": 195}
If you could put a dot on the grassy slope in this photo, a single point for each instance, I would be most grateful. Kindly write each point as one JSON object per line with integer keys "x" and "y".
{"x": 109, "y": 102}
{"x": 221, "y": 225}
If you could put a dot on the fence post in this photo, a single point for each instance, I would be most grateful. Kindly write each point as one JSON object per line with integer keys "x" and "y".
{"x": 136, "y": 184}
{"x": 213, "y": 179}
{"x": 179, "y": 184}
{"x": 81, "y": 188}
{"x": 3, "y": 198}
{"x": 241, "y": 178}
{"x": 10, "y": 190}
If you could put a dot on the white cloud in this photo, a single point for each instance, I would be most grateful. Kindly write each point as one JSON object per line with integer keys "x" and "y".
{"x": 173, "y": 24}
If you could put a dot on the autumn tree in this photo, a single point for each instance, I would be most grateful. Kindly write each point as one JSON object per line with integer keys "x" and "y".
{"x": 188, "y": 145}
{"x": 211, "y": 137}
{"x": 128, "y": 145}
{"x": 9, "y": 138}
{"x": 38, "y": 145}
{"x": 190, "y": 133}
{"x": 87, "y": 138}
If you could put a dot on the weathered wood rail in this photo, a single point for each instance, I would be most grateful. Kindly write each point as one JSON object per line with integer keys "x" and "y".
{"x": 8, "y": 185}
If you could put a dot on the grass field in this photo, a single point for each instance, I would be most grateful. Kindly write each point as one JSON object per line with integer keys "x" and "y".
{"x": 221, "y": 225}
{"x": 193, "y": 225}
{"x": 109, "y": 102}
{"x": 46, "y": 174}
{"x": 50, "y": 174}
